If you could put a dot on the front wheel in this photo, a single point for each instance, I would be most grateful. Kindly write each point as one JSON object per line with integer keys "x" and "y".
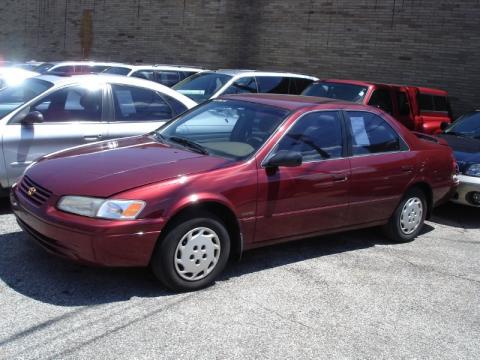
{"x": 408, "y": 219}
{"x": 192, "y": 254}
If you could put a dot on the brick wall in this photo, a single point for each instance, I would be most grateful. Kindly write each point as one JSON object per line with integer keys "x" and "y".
{"x": 428, "y": 42}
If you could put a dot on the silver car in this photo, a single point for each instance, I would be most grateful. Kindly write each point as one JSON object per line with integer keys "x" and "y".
{"x": 50, "y": 113}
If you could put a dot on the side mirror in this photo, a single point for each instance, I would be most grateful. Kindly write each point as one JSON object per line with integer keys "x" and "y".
{"x": 33, "y": 118}
{"x": 285, "y": 158}
{"x": 444, "y": 126}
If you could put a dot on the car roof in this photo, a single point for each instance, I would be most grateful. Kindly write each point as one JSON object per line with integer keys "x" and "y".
{"x": 246, "y": 72}
{"x": 163, "y": 67}
{"x": 91, "y": 63}
{"x": 287, "y": 102}
{"x": 370, "y": 83}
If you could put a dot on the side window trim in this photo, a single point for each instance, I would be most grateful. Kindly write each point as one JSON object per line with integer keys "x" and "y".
{"x": 345, "y": 143}
{"x": 403, "y": 144}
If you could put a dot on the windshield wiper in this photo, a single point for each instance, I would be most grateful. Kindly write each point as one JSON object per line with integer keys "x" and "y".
{"x": 189, "y": 143}
{"x": 159, "y": 137}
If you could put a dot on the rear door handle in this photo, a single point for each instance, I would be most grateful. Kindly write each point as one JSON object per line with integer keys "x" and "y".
{"x": 339, "y": 177}
{"x": 406, "y": 168}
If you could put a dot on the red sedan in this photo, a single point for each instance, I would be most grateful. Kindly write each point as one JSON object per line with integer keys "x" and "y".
{"x": 229, "y": 175}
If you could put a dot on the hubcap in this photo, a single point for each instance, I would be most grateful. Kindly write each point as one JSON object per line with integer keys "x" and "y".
{"x": 197, "y": 254}
{"x": 412, "y": 214}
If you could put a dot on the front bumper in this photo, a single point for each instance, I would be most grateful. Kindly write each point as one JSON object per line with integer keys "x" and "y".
{"x": 468, "y": 185}
{"x": 93, "y": 241}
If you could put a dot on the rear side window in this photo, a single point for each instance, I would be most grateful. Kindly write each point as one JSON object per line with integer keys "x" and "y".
{"x": 167, "y": 78}
{"x": 144, "y": 74}
{"x": 242, "y": 85}
{"x": 117, "y": 70}
{"x": 273, "y": 84}
{"x": 429, "y": 102}
{"x": 370, "y": 134}
{"x": 382, "y": 100}
{"x": 317, "y": 136}
{"x": 297, "y": 85}
{"x": 138, "y": 104}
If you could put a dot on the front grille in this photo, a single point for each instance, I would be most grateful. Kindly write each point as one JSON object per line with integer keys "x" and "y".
{"x": 32, "y": 191}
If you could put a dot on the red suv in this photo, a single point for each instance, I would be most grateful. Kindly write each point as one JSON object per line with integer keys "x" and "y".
{"x": 418, "y": 108}
{"x": 232, "y": 174}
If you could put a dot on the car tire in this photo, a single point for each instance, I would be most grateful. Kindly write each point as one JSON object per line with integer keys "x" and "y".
{"x": 192, "y": 253}
{"x": 408, "y": 219}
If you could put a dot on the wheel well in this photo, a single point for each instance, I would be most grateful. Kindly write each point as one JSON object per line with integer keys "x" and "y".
{"x": 224, "y": 213}
{"x": 427, "y": 190}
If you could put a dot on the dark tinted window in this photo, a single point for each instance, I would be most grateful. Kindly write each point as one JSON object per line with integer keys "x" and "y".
{"x": 242, "y": 85}
{"x": 371, "y": 134}
{"x": 186, "y": 74}
{"x": 74, "y": 103}
{"x": 176, "y": 105}
{"x": 12, "y": 97}
{"x": 339, "y": 91}
{"x": 403, "y": 103}
{"x": 317, "y": 136}
{"x": 382, "y": 100}
{"x": 117, "y": 70}
{"x": 64, "y": 69}
{"x": 202, "y": 86}
{"x": 43, "y": 68}
{"x": 440, "y": 103}
{"x": 144, "y": 74}
{"x": 297, "y": 85}
{"x": 167, "y": 78}
{"x": 139, "y": 104}
{"x": 273, "y": 84}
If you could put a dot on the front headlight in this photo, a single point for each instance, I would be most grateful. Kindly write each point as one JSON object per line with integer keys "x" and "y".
{"x": 101, "y": 208}
{"x": 473, "y": 170}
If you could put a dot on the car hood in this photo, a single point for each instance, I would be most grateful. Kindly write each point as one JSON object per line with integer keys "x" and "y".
{"x": 107, "y": 168}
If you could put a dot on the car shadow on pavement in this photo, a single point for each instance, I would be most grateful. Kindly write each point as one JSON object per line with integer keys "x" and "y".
{"x": 456, "y": 215}
{"x": 30, "y": 271}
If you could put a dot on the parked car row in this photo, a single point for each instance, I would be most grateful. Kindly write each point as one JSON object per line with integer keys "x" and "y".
{"x": 123, "y": 171}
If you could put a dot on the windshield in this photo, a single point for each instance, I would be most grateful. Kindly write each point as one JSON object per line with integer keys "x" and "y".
{"x": 348, "y": 92}
{"x": 466, "y": 125}
{"x": 202, "y": 86}
{"x": 117, "y": 70}
{"x": 12, "y": 97}
{"x": 227, "y": 128}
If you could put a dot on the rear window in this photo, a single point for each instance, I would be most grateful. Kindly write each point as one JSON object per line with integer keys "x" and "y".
{"x": 428, "y": 102}
{"x": 339, "y": 91}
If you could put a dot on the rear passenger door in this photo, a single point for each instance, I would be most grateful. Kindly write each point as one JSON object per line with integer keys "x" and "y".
{"x": 380, "y": 167}
{"x": 137, "y": 110}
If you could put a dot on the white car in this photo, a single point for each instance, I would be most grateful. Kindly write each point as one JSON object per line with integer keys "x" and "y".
{"x": 49, "y": 113}
{"x": 212, "y": 84}
{"x": 13, "y": 75}
{"x": 75, "y": 67}
{"x": 167, "y": 75}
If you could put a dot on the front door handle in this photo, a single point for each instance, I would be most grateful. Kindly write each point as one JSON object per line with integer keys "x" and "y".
{"x": 339, "y": 177}
{"x": 93, "y": 137}
{"x": 406, "y": 168}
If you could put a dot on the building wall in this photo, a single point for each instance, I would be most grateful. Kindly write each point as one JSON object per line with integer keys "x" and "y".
{"x": 429, "y": 42}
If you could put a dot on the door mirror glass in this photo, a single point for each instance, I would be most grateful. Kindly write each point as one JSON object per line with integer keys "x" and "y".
{"x": 33, "y": 117}
{"x": 285, "y": 158}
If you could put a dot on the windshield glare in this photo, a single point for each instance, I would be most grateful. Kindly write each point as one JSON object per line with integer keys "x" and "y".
{"x": 12, "y": 97}
{"x": 467, "y": 125}
{"x": 347, "y": 92}
{"x": 227, "y": 128}
{"x": 202, "y": 86}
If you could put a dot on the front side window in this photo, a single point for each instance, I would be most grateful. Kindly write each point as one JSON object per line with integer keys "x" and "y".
{"x": 202, "y": 86}
{"x": 381, "y": 99}
{"x": 226, "y": 128}
{"x": 244, "y": 85}
{"x": 73, "y": 103}
{"x": 370, "y": 134}
{"x": 12, "y": 97}
{"x": 340, "y": 91}
{"x": 317, "y": 136}
{"x": 133, "y": 103}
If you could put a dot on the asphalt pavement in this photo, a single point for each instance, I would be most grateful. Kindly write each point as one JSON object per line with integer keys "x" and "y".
{"x": 351, "y": 295}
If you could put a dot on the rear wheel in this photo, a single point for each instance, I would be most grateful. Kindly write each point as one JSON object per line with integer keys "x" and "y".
{"x": 408, "y": 219}
{"x": 192, "y": 253}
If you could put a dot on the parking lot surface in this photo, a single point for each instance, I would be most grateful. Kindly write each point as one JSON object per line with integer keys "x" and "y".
{"x": 351, "y": 295}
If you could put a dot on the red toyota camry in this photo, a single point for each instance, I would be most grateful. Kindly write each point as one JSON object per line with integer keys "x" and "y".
{"x": 233, "y": 174}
